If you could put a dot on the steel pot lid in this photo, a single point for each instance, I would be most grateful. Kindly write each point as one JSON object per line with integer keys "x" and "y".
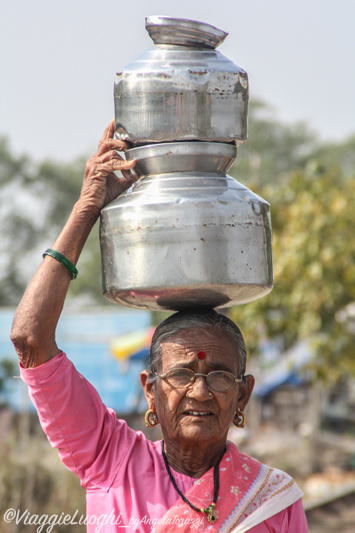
{"x": 185, "y": 32}
{"x": 182, "y": 90}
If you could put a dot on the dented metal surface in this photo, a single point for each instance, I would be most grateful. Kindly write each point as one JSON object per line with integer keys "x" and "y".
{"x": 181, "y": 90}
{"x": 181, "y": 238}
{"x": 186, "y": 234}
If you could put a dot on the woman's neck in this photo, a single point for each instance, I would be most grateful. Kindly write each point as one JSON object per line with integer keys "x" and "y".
{"x": 193, "y": 460}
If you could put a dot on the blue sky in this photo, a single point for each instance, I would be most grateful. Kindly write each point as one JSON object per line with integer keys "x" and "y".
{"x": 58, "y": 61}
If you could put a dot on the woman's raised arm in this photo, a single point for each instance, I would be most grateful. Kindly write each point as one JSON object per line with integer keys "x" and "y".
{"x": 36, "y": 318}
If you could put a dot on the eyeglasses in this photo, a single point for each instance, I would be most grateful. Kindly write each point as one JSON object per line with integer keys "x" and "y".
{"x": 218, "y": 380}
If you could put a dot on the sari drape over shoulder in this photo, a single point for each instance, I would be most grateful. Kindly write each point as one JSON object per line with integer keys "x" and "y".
{"x": 250, "y": 493}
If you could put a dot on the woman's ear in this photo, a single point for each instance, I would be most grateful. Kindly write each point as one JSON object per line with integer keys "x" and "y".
{"x": 148, "y": 388}
{"x": 246, "y": 388}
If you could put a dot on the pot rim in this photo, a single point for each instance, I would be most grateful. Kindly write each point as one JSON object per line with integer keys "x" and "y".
{"x": 181, "y": 148}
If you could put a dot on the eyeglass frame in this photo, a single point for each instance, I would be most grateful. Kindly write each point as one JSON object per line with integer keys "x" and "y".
{"x": 163, "y": 376}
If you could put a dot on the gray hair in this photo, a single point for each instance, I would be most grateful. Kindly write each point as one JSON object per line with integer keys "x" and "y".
{"x": 193, "y": 319}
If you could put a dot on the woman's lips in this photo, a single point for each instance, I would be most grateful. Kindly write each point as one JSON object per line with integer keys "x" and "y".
{"x": 197, "y": 413}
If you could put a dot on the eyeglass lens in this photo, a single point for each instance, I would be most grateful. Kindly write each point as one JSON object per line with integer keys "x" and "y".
{"x": 218, "y": 380}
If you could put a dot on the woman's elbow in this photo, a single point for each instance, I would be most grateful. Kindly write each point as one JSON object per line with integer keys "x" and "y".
{"x": 25, "y": 346}
{"x": 32, "y": 349}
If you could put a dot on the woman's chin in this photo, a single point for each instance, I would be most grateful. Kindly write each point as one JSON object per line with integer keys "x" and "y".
{"x": 199, "y": 430}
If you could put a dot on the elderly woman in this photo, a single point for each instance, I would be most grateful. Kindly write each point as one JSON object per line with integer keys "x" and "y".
{"x": 196, "y": 387}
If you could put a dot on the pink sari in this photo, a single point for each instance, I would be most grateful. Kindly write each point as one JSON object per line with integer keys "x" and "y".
{"x": 250, "y": 492}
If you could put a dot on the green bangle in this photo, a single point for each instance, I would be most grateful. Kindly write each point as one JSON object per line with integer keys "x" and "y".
{"x": 63, "y": 261}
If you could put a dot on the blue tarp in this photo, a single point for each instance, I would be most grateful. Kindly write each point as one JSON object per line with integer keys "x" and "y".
{"x": 287, "y": 368}
{"x": 85, "y": 336}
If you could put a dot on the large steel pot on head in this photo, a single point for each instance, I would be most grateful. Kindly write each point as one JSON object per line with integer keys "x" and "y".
{"x": 187, "y": 233}
{"x": 181, "y": 89}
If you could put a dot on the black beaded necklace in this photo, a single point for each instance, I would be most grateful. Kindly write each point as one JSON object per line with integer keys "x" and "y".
{"x": 210, "y": 510}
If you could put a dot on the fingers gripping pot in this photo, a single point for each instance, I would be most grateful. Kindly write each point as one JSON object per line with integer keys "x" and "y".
{"x": 187, "y": 233}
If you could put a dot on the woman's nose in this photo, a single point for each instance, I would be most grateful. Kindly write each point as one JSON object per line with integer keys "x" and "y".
{"x": 199, "y": 389}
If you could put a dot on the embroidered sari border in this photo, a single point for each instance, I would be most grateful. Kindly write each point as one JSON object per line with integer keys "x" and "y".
{"x": 249, "y": 496}
{"x": 259, "y": 483}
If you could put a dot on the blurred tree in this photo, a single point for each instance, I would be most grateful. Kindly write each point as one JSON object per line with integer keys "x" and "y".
{"x": 313, "y": 213}
{"x": 7, "y": 371}
{"x": 310, "y": 186}
{"x": 35, "y": 203}
{"x": 272, "y": 147}
{"x": 341, "y": 154}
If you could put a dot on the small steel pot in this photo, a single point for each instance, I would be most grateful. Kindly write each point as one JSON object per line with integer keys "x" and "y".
{"x": 181, "y": 89}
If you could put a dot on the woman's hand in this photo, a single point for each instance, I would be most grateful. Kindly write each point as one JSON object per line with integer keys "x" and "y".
{"x": 101, "y": 185}
{"x": 33, "y": 331}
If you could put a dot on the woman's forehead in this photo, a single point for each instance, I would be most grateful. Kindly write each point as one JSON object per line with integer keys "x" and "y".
{"x": 187, "y": 344}
{"x": 193, "y": 337}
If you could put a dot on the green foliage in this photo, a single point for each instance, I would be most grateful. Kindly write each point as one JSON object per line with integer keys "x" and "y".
{"x": 338, "y": 155}
{"x": 35, "y": 484}
{"x": 314, "y": 266}
{"x": 12, "y": 169}
{"x": 61, "y": 184}
{"x": 7, "y": 370}
{"x": 272, "y": 148}
{"x": 36, "y": 202}
{"x": 311, "y": 188}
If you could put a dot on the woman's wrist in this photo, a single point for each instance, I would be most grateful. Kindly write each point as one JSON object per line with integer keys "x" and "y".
{"x": 76, "y": 231}
{"x": 86, "y": 214}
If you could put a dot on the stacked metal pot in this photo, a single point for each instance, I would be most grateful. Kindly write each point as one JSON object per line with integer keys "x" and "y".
{"x": 186, "y": 234}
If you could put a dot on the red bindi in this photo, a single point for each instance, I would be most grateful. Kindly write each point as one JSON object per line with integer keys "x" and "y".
{"x": 201, "y": 355}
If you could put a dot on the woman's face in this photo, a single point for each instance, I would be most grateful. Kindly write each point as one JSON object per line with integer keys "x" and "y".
{"x": 198, "y": 413}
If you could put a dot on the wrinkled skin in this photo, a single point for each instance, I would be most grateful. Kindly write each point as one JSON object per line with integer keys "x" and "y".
{"x": 195, "y": 442}
{"x": 36, "y": 318}
{"x": 100, "y": 184}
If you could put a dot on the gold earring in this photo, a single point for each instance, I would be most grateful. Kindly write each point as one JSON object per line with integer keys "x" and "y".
{"x": 239, "y": 419}
{"x": 151, "y": 419}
